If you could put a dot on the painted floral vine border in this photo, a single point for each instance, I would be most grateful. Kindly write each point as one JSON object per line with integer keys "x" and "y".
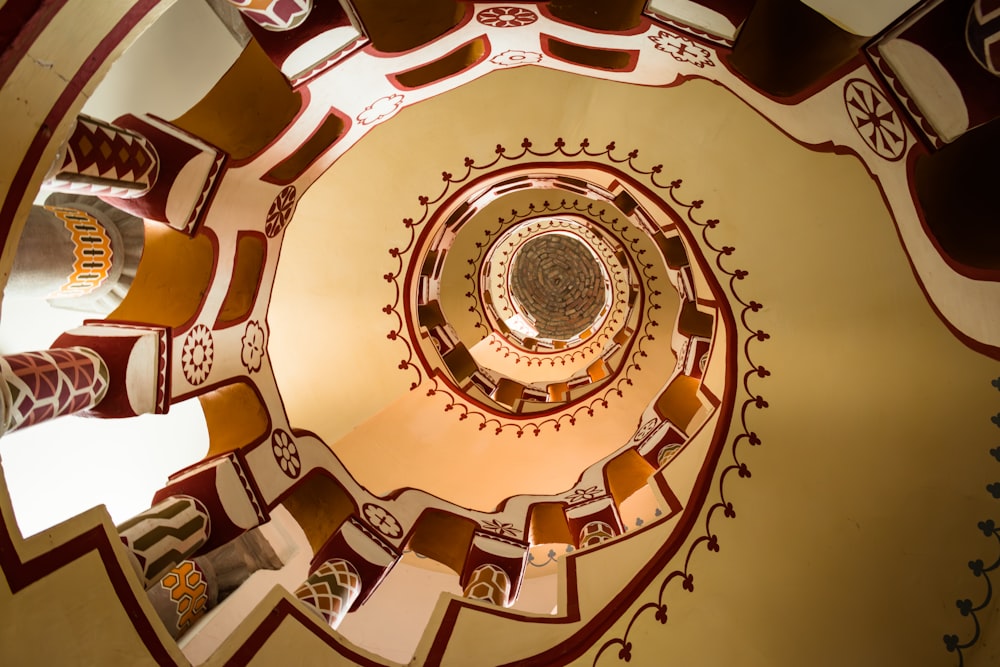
{"x": 473, "y": 278}
{"x": 989, "y": 528}
{"x": 427, "y": 203}
{"x": 709, "y": 540}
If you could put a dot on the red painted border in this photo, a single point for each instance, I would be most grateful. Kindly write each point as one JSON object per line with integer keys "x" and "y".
{"x": 465, "y": 20}
{"x": 74, "y": 87}
{"x": 243, "y": 233}
{"x": 546, "y": 41}
{"x": 640, "y": 27}
{"x": 348, "y": 122}
{"x": 487, "y": 51}
{"x": 20, "y": 574}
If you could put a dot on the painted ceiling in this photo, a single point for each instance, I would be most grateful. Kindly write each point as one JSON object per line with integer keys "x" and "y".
{"x": 824, "y": 504}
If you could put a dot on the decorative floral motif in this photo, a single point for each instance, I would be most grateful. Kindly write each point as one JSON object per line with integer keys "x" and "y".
{"x": 506, "y": 17}
{"x": 979, "y": 569}
{"x": 280, "y": 212}
{"x": 197, "y": 354}
{"x": 512, "y": 58}
{"x": 874, "y": 119}
{"x": 580, "y": 495}
{"x": 589, "y": 404}
{"x": 381, "y": 108}
{"x": 384, "y": 522}
{"x": 682, "y": 49}
{"x": 500, "y": 528}
{"x": 286, "y": 453}
{"x": 254, "y": 343}
{"x": 646, "y": 429}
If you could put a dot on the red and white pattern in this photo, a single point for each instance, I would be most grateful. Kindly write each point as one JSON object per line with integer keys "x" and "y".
{"x": 254, "y": 344}
{"x": 189, "y": 174}
{"x": 137, "y": 358}
{"x": 506, "y": 17}
{"x": 594, "y": 533}
{"x": 275, "y": 15}
{"x": 382, "y": 520}
{"x": 584, "y": 494}
{"x": 280, "y": 212}
{"x": 286, "y": 453}
{"x": 488, "y": 583}
{"x": 501, "y": 528}
{"x": 38, "y": 386}
{"x": 198, "y": 354}
{"x": 682, "y": 49}
{"x": 875, "y": 119}
{"x": 227, "y": 490}
{"x": 982, "y": 34}
{"x": 381, "y": 108}
{"x": 331, "y": 590}
{"x": 101, "y": 159}
{"x": 648, "y": 427}
{"x": 513, "y": 58}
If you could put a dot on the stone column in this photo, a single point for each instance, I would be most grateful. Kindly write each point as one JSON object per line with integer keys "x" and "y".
{"x": 493, "y": 569}
{"x": 346, "y": 570}
{"x": 101, "y": 159}
{"x": 275, "y": 15}
{"x": 164, "y": 535}
{"x": 226, "y": 488}
{"x": 77, "y": 252}
{"x": 594, "y": 522}
{"x": 488, "y": 583}
{"x": 137, "y": 358}
{"x": 38, "y": 386}
{"x": 196, "y": 585}
{"x": 331, "y": 590}
{"x": 141, "y": 165}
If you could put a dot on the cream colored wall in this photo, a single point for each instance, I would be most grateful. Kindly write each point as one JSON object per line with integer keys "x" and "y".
{"x": 859, "y": 518}
{"x": 177, "y": 61}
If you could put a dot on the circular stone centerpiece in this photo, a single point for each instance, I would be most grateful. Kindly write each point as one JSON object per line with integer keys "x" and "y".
{"x": 558, "y": 285}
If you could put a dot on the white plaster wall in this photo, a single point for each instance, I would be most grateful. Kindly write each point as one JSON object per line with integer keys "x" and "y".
{"x": 170, "y": 67}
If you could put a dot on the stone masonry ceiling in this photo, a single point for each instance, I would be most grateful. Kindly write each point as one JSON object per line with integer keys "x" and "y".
{"x": 559, "y": 284}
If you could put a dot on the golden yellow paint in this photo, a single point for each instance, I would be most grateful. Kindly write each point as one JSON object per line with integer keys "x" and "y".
{"x": 405, "y": 24}
{"x": 171, "y": 280}
{"x": 626, "y": 474}
{"x": 247, "y": 267}
{"x": 292, "y": 166}
{"x": 444, "y": 537}
{"x": 234, "y": 417}
{"x": 249, "y": 106}
{"x": 319, "y": 505}
{"x": 453, "y": 63}
{"x": 679, "y": 402}
{"x": 548, "y": 524}
{"x": 591, "y": 57}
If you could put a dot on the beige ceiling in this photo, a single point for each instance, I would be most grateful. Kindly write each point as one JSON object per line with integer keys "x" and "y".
{"x": 337, "y": 370}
